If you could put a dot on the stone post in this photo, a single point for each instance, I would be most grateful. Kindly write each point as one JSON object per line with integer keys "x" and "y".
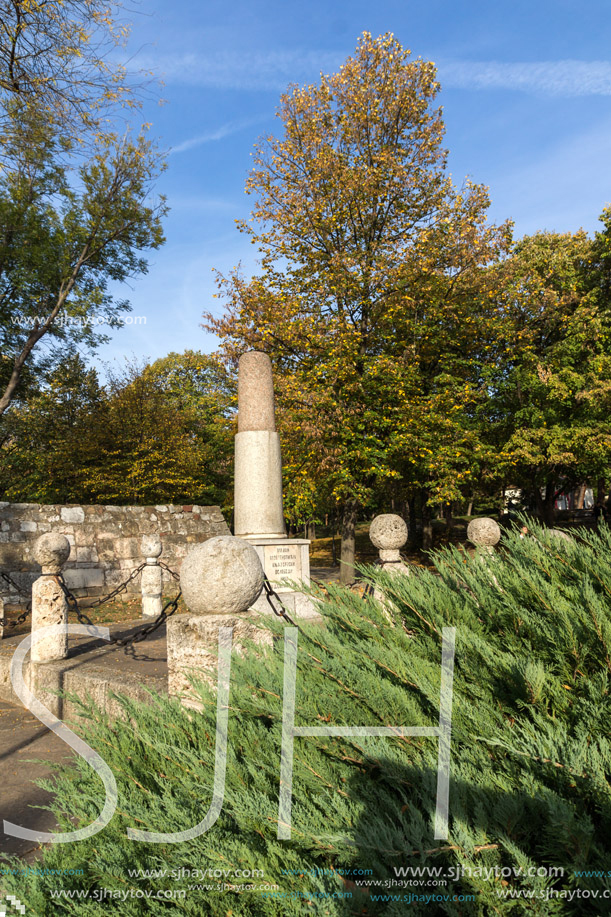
{"x": 388, "y": 533}
{"x": 220, "y": 580}
{"x": 49, "y": 604}
{"x": 152, "y": 576}
{"x": 258, "y": 511}
{"x": 484, "y": 533}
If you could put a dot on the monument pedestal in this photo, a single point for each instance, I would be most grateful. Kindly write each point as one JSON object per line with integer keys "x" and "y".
{"x": 285, "y": 559}
{"x": 193, "y": 649}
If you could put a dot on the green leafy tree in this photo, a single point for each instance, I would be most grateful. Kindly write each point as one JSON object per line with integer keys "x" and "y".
{"x": 354, "y": 207}
{"x": 76, "y": 210}
{"x": 155, "y": 445}
{"x": 60, "y": 247}
{"x": 48, "y": 442}
{"x": 547, "y": 412}
{"x": 159, "y": 433}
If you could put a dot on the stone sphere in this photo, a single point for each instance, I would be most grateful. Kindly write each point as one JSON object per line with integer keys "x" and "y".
{"x": 221, "y": 576}
{"x": 483, "y": 531}
{"x": 51, "y": 551}
{"x": 558, "y": 533}
{"x": 151, "y": 545}
{"x": 388, "y": 532}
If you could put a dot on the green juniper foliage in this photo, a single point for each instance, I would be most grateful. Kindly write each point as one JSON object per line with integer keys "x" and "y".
{"x": 530, "y": 755}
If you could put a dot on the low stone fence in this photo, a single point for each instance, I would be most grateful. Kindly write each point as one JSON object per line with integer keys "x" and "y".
{"x": 106, "y": 541}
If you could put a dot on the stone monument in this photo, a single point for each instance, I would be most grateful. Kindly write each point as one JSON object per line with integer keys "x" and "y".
{"x": 258, "y": 511}
{"x": 388, "y": 533}
{"x": 220, "y": 580}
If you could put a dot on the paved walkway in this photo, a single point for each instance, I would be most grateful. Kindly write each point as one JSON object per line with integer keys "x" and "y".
{"x": 23, "y": 737}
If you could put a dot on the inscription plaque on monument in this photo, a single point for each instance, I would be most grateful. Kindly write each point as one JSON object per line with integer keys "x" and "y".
{"x": 282, "y": 561}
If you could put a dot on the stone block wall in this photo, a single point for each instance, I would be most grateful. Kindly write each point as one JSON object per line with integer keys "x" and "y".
{"x": 105, "y": 542}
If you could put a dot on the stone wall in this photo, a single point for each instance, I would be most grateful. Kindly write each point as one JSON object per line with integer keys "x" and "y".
{"x": 105, "y": 541}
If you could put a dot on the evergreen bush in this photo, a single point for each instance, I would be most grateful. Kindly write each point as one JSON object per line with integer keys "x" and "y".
{"x": 530, "y": 765}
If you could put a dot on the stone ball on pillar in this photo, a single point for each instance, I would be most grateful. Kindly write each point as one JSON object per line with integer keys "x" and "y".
{"x": 484, "y": 532}
{"x": 388, "y": 532}
{"x": 151, "y": 546}
{"x": 221, "y": 576}
{"x": 51, "y": 551}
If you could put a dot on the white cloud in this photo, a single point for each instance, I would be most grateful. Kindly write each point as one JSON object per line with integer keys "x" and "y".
{"x": 560, "y": 78}
{"x": 225, "y": 130}
{"x": 233, "y": 70}
{"x": 274, "y": 70}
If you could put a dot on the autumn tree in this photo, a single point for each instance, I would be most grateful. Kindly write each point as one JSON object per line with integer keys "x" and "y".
{"x": 547, "y": 415}
{"x": 153, "y": 433}
{"x": 354, "y": 209}
{"x": 49, "y": 440}
{"x": 59, "y": 63}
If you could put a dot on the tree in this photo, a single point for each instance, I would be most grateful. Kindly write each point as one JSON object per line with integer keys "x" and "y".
{"x": 162, "y": 443}
{"x": 57, "y": 64}
{"x": 75, "y": 185}
{"x": 354, "y": 208}
{"x": 61, "y": 242}
{"x": 158, "y": 433}
{"x": 547, "y": 415}
{"x": 49, "y": 440}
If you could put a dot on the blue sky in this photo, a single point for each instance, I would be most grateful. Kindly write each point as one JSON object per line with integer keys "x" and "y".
{"x": 526, "y": 93}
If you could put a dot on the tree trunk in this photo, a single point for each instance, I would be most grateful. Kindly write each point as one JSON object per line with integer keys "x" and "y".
{"x": 600, "y": 490}
{"x": 549, "y": 509}
{"x": 470, "y": 507}
{"x": 411, "y": 516}
{"x": 580, "y": 495}
{"x": 346, "y": 566}
{"x": 448, "y": 515}
{"x": 427, "y": 523}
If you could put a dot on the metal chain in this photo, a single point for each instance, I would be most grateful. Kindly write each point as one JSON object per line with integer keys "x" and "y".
{"x": 11, "y": 582}
{"x": 85, "y": 619}
{"x": 167, "y": 611}
{"x": 270, "y": 593}
{"x": 119, "y": 589}
{"x": 176, "y": 576}
{"x": 4, "y": 622}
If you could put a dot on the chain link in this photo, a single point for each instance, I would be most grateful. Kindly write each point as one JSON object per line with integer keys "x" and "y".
{"x": 4, "y": 622}
{"x": 119, "y": 589}
{"x": 167, "y": 611}
{"x": 172, "y": 573}
{"x": 270, "y": 593}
